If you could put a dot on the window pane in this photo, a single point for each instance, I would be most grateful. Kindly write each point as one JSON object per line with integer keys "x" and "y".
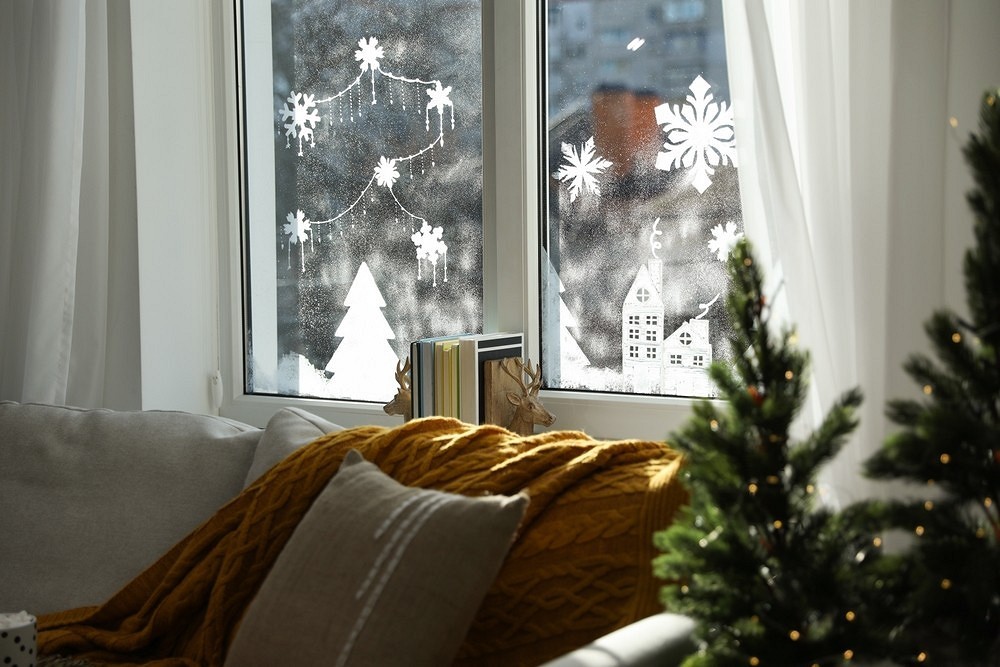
{"x": 642, "y": 200}
{"x": 363, "y": 188}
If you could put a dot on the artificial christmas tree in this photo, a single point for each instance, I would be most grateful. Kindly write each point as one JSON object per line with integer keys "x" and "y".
{"x": 771, "y": 578}
{"x": 950, "y": 445}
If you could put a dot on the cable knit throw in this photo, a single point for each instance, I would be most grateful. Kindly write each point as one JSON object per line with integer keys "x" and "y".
{"x": 579, "y": 568}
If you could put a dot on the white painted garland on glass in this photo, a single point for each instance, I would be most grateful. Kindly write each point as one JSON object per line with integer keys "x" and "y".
{"x": 300, "y": 116}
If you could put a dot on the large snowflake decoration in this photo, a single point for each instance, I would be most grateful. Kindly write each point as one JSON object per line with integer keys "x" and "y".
{"x": 386, "y": 173}
{"x": 303, "y": 119}
{"x": 700, "y": 135}
{"x": 430, "y": 247}
{"x": 723, "y": 240}
{"x": 581, "y": 169}
{"x": 369, "y": 54}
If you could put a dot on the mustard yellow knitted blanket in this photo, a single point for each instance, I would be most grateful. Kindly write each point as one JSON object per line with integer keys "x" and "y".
{"x": 579, "y": 567}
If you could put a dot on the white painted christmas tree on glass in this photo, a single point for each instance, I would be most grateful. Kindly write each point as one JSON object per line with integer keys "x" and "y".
{"x": 364, "y": 360}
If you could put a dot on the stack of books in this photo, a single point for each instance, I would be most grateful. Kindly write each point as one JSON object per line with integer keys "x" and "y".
{"x": 448, "y": 373}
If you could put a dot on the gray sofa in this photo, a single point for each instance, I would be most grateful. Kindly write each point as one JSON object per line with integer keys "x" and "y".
{"x": 90, "y": 498}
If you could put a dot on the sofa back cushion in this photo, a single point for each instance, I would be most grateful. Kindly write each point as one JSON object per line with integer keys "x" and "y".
{"x": 89, "y": 498}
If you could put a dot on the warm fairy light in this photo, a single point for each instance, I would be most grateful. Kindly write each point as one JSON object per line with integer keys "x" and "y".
{"x": 988, "y": 503}
{"x": 921, "y": 657}
{"x": 945, "y": 584}
{"x": 850, "y": 616}
{"x": 928, "y": 389}
{"x": 752, "y": 489}
{"x": 685, "y": 589}
{"x": 810, "y": 488}
{"x": 919, "y": 530}
{"x": 747, "y": 261}
{"x": 789, "y": 375}
{"x": 777, "y": 524}
{"x": 848, "y": 654}
{"x": 773, "y": 479}
{"x": 793, "y": 339}
{"x": 928, "y": 505}
{"x": 953, "y": 122}
{"x": 956, "y": 337}
{"x": 754, "y": 661}
{"x": 714, "y": 425}
{"x": 945, "y": 458}
{"x": 877, "y": 542}
{"x": 794, "y": 635}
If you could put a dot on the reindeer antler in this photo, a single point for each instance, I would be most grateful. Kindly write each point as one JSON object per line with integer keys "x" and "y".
{"x": 403, "y": 374}
{"x": 524, "y": 369}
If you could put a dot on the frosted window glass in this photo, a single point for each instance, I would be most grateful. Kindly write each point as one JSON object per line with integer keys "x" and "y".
{"x": 363, "y": 144}
{"x": 641, "y": 197}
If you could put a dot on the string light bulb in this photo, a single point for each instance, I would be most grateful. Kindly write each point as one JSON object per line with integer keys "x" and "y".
{"x": 945, "y": 458}
{"x": 956, "y": 337}
{"x": 754, "y": 661}
{"x": 794, "y": 635}
{"x": 945, "y": 584}
{"x": 919, "y": 530}
{"x": 848, "y": 654}
{"x": 921, "y": 657}
{"x": 928, "y": 505}
{"x": 877, "y": 542}
{"x": 928, "y": 389}
{"x": 789, "y": 375}
{"x": 850, "y": 616}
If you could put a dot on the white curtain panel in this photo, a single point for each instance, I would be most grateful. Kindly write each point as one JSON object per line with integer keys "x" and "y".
{"x": 67, "y": 258}
{"x": 816, "y": 124}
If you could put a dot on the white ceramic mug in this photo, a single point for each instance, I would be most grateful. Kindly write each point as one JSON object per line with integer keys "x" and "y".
{"x": 18, "y": 640}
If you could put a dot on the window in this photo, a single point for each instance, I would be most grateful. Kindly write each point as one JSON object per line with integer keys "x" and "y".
{"x": 363, "y": 148}
{"x": 633, "y": 334}
{"x": 524, "y": 205}
{"x": 675, "y": 360}
{"x": 640, "y": 196}
{"x": 698, "y": 360}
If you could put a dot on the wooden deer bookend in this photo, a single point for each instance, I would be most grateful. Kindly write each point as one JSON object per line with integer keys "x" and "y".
{"x": 528, "y": 410}
{"x": 400, "y": 403}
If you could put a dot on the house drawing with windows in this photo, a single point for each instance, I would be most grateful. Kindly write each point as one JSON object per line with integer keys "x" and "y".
{"x": 653, "y": 364}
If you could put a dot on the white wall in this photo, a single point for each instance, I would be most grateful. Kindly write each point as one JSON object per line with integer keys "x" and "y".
{"x": 175, "y": 47}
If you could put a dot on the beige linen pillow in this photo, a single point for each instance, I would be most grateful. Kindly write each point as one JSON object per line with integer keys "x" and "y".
{"x": 377, "y": 573}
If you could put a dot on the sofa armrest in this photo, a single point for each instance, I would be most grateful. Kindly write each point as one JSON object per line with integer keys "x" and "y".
{"x": 662, "y": 640}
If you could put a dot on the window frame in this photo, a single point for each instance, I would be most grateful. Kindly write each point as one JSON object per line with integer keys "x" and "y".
{"x": 513, "y": 36}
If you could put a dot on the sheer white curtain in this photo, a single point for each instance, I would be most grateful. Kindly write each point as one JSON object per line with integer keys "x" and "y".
{"x": 821, "y": 132}
{"x": 68, "y": 276}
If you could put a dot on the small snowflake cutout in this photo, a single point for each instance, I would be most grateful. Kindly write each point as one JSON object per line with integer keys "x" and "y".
{"x": 723, "y": 240}
{"x": 581, "y": 169}
{"x": 369, "y": 54}
{"x": 386, "y": 173}
{"x": 430, "y": 247}
{"x": 303, "y": 119}
{"x": 700, "y": 135}
{"x": 298, "y": 228}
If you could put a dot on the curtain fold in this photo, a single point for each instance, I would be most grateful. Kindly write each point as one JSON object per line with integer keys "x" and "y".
{"x": 813, "y": 100}
{"x": 57, "y": 206}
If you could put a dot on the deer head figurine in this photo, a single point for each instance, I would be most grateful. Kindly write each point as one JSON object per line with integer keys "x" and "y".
{"x": 528, "y": 410}
{"x": 400, "y": 403}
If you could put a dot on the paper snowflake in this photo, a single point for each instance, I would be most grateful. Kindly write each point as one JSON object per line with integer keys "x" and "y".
{"x": 386, "y": 173}
{"x": 298, "y": 228}
{"x": 700, "y": 135}
{"x": 724, "y": 240}
{"x": 303, "y": 118}
{"x": 369, "y": 54}
{"x": 581, "y": 169}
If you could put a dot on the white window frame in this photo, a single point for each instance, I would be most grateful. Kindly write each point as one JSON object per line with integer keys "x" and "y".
{"x": 511, "y": 136}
